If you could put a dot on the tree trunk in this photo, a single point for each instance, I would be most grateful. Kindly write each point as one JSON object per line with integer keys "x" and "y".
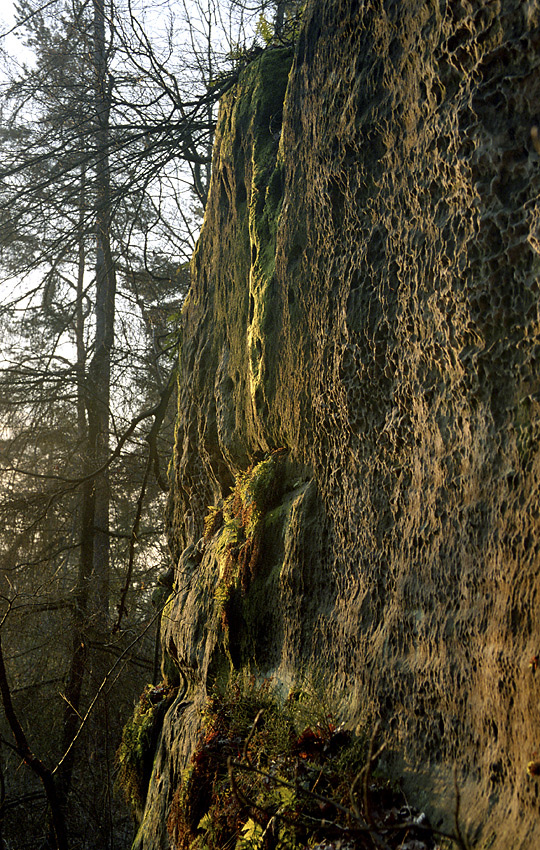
{"x": 91, "y": 610}
{"x": 100, "y": 367}
{"x": 34, "y": 763}
{"x": 84, "y": 528}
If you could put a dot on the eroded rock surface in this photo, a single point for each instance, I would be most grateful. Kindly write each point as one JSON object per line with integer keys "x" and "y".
{"x": 365, "y": 297}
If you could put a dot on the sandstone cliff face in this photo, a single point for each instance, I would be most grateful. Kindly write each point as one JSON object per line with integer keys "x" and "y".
{"x": 365, "y": 298}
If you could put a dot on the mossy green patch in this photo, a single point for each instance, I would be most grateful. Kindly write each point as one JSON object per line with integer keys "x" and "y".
{"x": 241, "y": 521}
{"x": 236, "y": 529}
{"x": 135, "y": 755}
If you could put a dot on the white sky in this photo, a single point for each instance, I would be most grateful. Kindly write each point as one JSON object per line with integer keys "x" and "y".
{"x": 7, "y": 21}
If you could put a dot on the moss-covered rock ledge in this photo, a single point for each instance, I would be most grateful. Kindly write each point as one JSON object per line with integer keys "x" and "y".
{"x": 225, "y": 384}
{"x": 363, "y": 324}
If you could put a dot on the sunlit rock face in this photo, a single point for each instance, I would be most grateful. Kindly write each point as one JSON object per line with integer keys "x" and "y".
{"x": 365, "y": 298}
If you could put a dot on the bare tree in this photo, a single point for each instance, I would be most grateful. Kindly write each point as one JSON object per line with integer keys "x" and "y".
{"x": 106, "y": 147}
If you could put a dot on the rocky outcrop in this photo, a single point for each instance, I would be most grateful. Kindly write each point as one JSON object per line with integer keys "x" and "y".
{"x": 359, "y": 401}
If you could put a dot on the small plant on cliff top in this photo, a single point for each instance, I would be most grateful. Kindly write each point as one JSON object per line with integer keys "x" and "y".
{"x": 284, "y": 29}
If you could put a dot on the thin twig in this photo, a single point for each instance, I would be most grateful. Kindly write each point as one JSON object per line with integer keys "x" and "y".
{"x": 121, "y": 608}
{"x": 249, "y": 738}
{"x": 361, "y": 829}
{"x": 157, "y": 411}
{"x": 359, "y": 776}
{"x": 283, "y": 782}
{"x": 367, "y": 774}
{"x": 106, "y": 679}
{"x": 240, "y": 796}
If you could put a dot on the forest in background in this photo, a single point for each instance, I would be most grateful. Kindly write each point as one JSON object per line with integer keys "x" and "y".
{"x": 106, "y": 137}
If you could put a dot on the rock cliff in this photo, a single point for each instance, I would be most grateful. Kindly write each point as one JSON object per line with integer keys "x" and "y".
{"x": 356, "y": 469}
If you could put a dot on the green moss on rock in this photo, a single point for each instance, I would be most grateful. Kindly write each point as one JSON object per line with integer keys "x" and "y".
{"x": 135, "y": 754}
